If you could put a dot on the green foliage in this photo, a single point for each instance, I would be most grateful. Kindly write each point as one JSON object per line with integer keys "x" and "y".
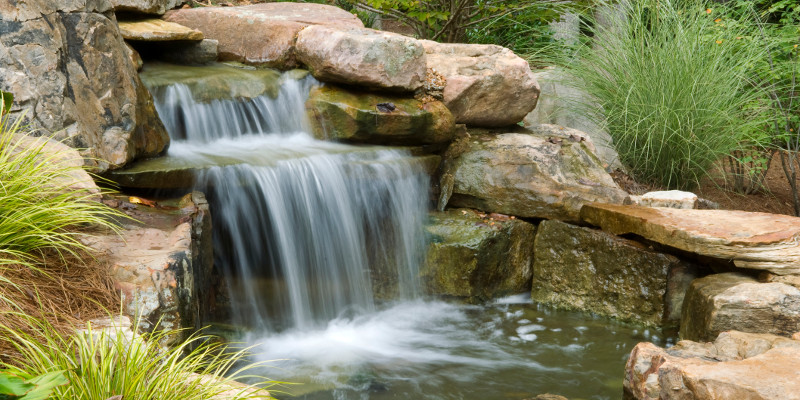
{"x": 103, "y": 363}
{"x": 6, "y": 100}
{"x": 21, "y": 386}
{"x": 40, "y": 209}
{"x": 674, "y": 93}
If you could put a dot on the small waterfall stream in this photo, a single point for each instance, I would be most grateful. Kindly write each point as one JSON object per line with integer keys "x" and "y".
{"x": 306, "y": 231}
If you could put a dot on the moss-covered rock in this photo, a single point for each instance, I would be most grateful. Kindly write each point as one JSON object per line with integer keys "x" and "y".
{"x": 213, "y": 82}
{"x": 586, "y": 269}
{"x": 476, "y": 256}
{"x": 364, "y": 117}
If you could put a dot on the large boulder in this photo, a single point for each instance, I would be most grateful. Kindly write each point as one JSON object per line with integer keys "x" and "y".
{"x": 261, "y": 34}
{"x": 735, "y": 366}
{"x": 363, "y": 117}
{"x": 751, "y": 240}
{"x": 477, "y": 257}
{"x": 69, "y": 70}
{"x": 589, "y": 270}
{"x": 727, "y": 301}
{"x": 557, "y": 106}
{"x": 146, "y": 6}
{"x": 161, "y": 263}
{"x": 363, "y": 57}
{"x": 487, "y": 85}
{"x": 537, "y": 174}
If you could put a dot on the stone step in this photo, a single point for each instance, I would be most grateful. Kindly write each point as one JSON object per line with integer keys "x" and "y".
{"x": 157, "y": 30}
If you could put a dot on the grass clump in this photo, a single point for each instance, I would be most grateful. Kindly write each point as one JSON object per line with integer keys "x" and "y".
{"x": 673, "y": 91}
{"x": 103, "y": 363}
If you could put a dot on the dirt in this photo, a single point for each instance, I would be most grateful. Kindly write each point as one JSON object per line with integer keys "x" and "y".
{"x": 774, "y": 197}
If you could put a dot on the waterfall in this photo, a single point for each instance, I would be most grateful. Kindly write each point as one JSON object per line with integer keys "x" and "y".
{"x": 303, "y": 235}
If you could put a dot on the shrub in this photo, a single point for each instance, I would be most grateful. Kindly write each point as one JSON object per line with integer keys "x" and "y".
{"x": 674, "y": 93}
{"x": 103, "y": 364}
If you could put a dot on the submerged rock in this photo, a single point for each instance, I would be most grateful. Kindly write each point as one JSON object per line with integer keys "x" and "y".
{"x": 543, "y": 174}
{"x": 589, "y": 270}
{"x": 68, "y": 68}
{"x": 736, "y": 366}
{"x": 261, "y": 34}
{"x": 486, "y": 85}
{"x": 751, "y": 240}
{"x": 362, "y": 57}
{"x": 213, "y": 82}
{"x": 729, "y": 301}
{"x": 477, "y": 257}
{"x": 339, "y": 114}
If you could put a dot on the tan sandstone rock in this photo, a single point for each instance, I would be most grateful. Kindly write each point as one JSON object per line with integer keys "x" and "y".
{"x": 487, "y": 85}
{"x": 722, "y": 302}
{"x": 261, "y": 34}
{"x": 157, "y": 30}
{"x": 751, "y": 240}
{"x": 363, "y": 57}
{"x": 735, "y": 366}
{"x": 542, "y": 174}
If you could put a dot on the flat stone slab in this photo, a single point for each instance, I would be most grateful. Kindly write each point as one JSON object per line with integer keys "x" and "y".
{"x": 157, "y": 30}
{"x": 751, "y": 240}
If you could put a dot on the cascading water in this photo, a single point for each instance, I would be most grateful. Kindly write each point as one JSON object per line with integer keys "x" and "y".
{"x": 297, "y": 237}
{"x": 307, "y": 230}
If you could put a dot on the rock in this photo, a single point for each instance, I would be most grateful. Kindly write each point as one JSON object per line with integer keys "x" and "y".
{"x": 793, "y": 280}
{"x": 589, "y": 270}
{"x": 530, "y": 174}
{"x": 134, "y": 56}
{"x": 67, "y": 66}
{"x": 548, "y": 396}
{"x": 236, "y": 389}
{"x": 477, "y": 257}
{"x": 261, "y": 34}
{"x": 761, "y": 367}
{"x": 667, "y": 198}
{"x": 146, "y": 6}
{"x": 751, "y": 240}
{"x": 190, "y": 53}
{"x": 487, "y": 85}
{"x": 556, "y": 106}
{"x": 339, "y": 114}
{"x": 731, "y": 301}
{"x": 161, "y": 264}
{"x": 157, "y": 30}
{"x": 363, "y": 57}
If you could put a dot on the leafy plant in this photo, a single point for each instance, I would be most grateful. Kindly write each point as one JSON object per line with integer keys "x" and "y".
{"x": 6, "y": 101}
{"x": 103, "y": 363}
{"x": 22, "y": 386}
{"x": 675, "y": 94}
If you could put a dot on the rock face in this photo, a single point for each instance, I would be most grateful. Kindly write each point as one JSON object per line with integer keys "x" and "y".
{"x": 146, "y": 6}
{"x": 735, "y": 366}
{"x": 157, "y": 30}
{"x": 752, "y": 240}
{"x": 340, "y": 114}
{"x": 68, "y": 67}
{"x": 477, "y": 257}
{"x": 728, "y": 301}
{"x": 261, "y": 34}
{"x": 487, "y": 85}
{"x": 162, "y": 266}
{"x": 586, "y": 269}
{"x": 530, "y": 174}
{"x": 556, "y": 106}
{"x": 363, "y": 57}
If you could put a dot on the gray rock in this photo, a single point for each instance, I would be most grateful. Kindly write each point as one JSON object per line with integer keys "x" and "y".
{"x": 146, "y": 6}
{"x": 732, "y": 301}
{"x": 476, "y": 256}
{"x": 589, "y": 270}
{"x": 486, "y": 85}
{"x": 531, "y": 174}
{"x": 363, "y": 57}
{"x": 69, "y": 70}
{"x": 190, "y": 53}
